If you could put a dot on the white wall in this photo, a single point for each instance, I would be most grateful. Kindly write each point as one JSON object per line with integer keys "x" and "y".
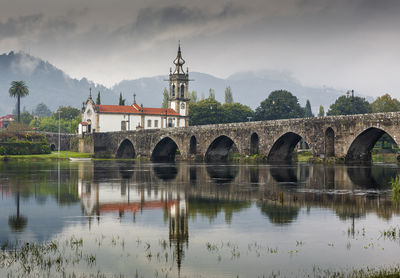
{"x": 152, "y": 118}
{"x": 112, "y": 122}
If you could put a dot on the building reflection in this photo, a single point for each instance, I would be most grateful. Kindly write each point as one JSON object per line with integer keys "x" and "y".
{"x": 182, "y": 191}
{"x": 127, "y": 197}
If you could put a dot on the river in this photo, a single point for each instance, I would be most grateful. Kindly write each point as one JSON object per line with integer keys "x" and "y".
{"x": 201, "y": 220}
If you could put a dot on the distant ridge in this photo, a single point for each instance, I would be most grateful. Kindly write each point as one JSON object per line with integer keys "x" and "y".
{"x": 52, "y": 86}
{"x": 46, "y": 84}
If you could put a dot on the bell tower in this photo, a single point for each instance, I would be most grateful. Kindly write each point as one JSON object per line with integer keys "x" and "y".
{"x": 179, "y": 87}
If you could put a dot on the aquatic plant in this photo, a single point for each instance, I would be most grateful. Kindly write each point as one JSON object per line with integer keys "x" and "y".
{"x": 396, "y": 189}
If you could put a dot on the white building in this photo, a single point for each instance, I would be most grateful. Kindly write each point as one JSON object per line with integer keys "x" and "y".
{"x": 106, "y": 118}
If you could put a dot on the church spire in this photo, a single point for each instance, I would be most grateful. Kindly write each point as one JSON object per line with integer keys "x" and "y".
{"x": 179, "y": 62}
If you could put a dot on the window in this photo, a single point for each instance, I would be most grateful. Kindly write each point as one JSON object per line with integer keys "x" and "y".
{"x": 173, "y": 90}
{"x": 182, "y": 91}
{"x": 123, "y": 125}
{"x": 148, "y": 123}
{"x": 155, "y": 123}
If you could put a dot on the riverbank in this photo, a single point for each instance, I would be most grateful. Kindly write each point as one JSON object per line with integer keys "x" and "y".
{"x": 52, "y": 156}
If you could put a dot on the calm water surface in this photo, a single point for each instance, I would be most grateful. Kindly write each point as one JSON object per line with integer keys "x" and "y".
{"x": 204, "y": 220}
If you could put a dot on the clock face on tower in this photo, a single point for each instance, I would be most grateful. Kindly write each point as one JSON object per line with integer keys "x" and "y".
{"x": 183, "y": 105}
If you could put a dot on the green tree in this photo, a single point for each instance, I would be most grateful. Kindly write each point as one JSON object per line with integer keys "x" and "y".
{"x": 50, "y": 124}
{"x": 208, "y": 111}
{"x": 26, "y": 117}
{"x": 345, "y": 105}
{"x": 98, "y": 100}
{"x": 193, "y": 97}
{"x": 321, "y": 111}
{"x": 228, "y": 95}
{"x": 121, "y": 100}
{"x": 67, "y": 112}
{"x": 18, "y": 90}
{"x": 307, "y": 110}
{"x": 280, "y": 104}
{"x": 236, "y": 112}
{"x": 41, "y": 110}
{"x": 211, "y": 94}
{"x": 385, "y": 103}
{"x": 165, "y": 99}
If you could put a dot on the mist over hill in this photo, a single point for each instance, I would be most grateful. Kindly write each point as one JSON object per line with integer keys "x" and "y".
{"x": 46, "y": 83}
{"x": 52, "y": 86}
{"x": 249, "y": 88}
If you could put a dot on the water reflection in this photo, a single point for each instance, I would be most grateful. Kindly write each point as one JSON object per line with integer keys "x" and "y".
{"x": 225, "y": 173}
{"x": 185, "y": 193}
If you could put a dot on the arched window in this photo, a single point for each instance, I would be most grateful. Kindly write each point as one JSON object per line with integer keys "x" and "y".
{"x": 182, "y": 91}
{"x": 173, "y": 90}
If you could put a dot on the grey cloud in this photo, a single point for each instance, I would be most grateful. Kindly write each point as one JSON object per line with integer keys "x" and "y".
{"x": 153, "y": 19}
{"x": 14, "y": 27}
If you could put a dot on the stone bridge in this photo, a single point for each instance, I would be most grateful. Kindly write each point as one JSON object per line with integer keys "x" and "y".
{"x": 348, "y": 137}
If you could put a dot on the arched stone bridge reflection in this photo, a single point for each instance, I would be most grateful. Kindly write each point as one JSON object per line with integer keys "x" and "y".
{"x": 348, "y": 137}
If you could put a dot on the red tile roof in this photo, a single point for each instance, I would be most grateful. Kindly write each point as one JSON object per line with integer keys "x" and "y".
{"x": 135, "y": 109}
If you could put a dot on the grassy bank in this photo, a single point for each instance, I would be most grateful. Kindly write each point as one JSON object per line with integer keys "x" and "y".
{"x": 53, "y": 155}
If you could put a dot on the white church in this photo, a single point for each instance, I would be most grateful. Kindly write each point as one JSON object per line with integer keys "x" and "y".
{"x": 106, "y": 118}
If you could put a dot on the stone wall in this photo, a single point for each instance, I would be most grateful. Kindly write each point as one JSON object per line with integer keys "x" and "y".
{"x": 276, "y": 138}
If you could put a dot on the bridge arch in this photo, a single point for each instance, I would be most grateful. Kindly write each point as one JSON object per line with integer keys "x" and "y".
{"x": 165, "y": 150}
{"x": 329, "y": 142}
{"x": 360, "y": 149}
{"x": 53, "y": 147}
{"x": 193, "y": 145}
{"x": 254, "y": 142}
{"x": 126, "y": 149}
{"x": 219, "y": 149}
{"x": 282, "y": 149}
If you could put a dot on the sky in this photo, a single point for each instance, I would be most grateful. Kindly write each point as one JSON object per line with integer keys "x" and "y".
{"x": 344, "y": 44}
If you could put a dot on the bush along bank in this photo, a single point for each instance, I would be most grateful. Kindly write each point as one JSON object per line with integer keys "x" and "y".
{"x": 24, "y": 148}
{"x": 20, "y": 143}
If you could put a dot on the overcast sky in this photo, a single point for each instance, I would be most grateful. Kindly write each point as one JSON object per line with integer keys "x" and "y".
{"x": 345, "y": 44}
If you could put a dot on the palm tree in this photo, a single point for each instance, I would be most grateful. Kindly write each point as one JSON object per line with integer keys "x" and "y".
{"x": 18, "y": 89}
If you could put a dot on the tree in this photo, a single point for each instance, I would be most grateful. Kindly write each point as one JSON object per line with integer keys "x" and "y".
{"x": 50, "y": 124}
{"x": 307, "y": 110}
{"x": 385, "y": 103}
{"x": 228, "y": 95}
{"x": 26, "y": 117}
{"x": 345, "y": 105}
{"x": 42, "y": 110}
{"x": 165, "y": 99}
{"x": 193, "y": 97}
{"x": 321, "y": 111}
{"x": 121, "y": 100}
{"x": 236, "y": 112}
{"x": 211, "y": 94}
{"x": 280, "y": 104}
{"x": 18, "y": 90}
{"x": 98, "y": 100}
{"x": 67, "y": 112}
{"x": 208, "y": 111}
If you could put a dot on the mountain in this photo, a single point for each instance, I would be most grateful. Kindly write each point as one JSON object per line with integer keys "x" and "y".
{"x": 248, "y": 88}
{"x": 46, "y": 83}
{"x": 52, "y": 86}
